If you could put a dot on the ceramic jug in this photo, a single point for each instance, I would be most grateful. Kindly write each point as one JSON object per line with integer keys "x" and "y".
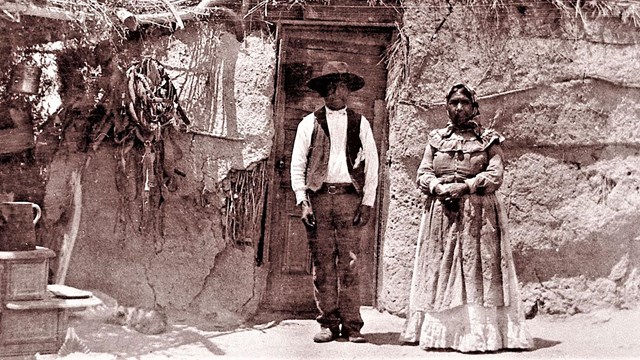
{"x": 17, "y": 225}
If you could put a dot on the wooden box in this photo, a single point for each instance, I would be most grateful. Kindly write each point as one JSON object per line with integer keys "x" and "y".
{"x": 38, "y": 326}
{"x": 34, "y": 331}
{"x": 32, "y": 319}
{"x": 23, "y": 274}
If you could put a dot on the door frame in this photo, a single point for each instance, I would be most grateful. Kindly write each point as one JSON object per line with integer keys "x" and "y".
{"x": 278, "y": 144}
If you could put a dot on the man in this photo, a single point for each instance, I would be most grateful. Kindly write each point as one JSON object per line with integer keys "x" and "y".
{"x": 334, "y": 174}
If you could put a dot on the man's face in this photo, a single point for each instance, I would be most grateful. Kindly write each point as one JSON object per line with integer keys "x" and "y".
{"x": 337, "y": 95}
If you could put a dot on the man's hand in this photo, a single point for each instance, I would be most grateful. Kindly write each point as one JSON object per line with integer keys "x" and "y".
{"x": 308, "y": 218}
{"x": 362, "y": 215}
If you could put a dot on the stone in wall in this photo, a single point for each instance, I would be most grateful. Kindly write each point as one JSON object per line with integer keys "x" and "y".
{"x": 573, "y": 295}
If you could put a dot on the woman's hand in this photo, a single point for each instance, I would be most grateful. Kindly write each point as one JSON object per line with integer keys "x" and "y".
{"x": 456, "y": 190}
{"x": 440, "y": 190}
{"x": 423, "y": 184}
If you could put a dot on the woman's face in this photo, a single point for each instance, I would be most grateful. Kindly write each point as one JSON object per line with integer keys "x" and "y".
{"x": 459, "y": 108}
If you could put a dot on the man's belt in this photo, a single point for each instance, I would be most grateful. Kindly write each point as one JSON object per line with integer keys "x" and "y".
{"x": 337, "y": 188}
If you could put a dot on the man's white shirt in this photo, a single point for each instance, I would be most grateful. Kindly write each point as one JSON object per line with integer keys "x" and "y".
{"x": 337, "y": 171}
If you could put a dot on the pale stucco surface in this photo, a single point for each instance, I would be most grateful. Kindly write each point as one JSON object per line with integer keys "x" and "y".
{"x": 563, "y": 92}
{"x": 565, "y": 95}
{"x": 191, "y": 266}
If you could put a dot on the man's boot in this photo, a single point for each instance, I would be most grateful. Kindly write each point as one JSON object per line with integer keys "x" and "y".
{"x": 326, "y": 334}
{"x": 354, "y": 336}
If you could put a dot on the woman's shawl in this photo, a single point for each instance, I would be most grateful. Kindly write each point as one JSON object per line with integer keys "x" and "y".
{"x": 441, "y": 139}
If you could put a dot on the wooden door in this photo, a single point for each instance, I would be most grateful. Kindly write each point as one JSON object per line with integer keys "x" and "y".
{"x": 302, "y": 52}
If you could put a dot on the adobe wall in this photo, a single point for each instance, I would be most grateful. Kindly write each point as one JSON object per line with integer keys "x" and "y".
{"x": 563, "y": 92}
{"x": 566, "y": 95}
{"x": 189, "y": 262}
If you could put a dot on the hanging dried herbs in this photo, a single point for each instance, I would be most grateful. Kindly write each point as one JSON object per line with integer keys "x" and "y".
{"x": 245, "y": 192}
{"x": 143, "y": 111}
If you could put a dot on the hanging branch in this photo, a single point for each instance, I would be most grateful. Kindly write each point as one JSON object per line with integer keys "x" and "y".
{"x": 397, "y": 56}
{"x": 45, "y": 12}
{"x": 174, "y": 12}
{"x": 204, "y": 8}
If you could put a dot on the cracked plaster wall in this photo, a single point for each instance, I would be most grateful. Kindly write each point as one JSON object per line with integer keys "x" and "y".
{"x": 573, "y": 146}
{"x": 192, "y": 267}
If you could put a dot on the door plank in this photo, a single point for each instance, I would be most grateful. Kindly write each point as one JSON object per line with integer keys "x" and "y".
{"x": 359, "y": 36}
{"x": 335, "y": 45}
{"x": 323, "y": 55}
{"x": 297, "y": 259}
{"x": 304, "y": 51}
{"x": 270, "y": 212}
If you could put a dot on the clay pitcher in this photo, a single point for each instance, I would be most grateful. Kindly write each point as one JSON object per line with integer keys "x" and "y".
{"x": 17, "y": 225}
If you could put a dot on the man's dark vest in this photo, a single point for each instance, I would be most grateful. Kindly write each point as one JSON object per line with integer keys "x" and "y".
{"x": 318, "y": 155}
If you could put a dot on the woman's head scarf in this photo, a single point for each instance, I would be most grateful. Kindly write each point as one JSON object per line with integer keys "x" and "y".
{"x": 469, "y": 92}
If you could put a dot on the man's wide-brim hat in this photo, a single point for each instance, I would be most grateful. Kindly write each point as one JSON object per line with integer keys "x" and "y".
{"x": 332, "y": 72}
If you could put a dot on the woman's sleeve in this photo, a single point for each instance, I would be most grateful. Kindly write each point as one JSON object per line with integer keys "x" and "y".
{"x": 426, "y": 178}
{"x": 489, "y": 181}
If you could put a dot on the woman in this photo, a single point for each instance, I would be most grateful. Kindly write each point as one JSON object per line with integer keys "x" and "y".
{"x": 464, "y": 291}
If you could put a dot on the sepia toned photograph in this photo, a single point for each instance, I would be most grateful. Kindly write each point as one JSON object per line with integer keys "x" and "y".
{"x": 319, "y": 179}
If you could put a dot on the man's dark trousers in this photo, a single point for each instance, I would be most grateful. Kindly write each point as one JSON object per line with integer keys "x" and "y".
{"x": 335, "y": 246}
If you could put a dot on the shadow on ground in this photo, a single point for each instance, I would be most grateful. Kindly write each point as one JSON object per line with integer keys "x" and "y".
{"x": 388, "y": 338}
{"x": 393, "y": 338}
{"x": 539, "y": 343}
{"x": 118, "y": 340}
{"x": 264, "y": 317}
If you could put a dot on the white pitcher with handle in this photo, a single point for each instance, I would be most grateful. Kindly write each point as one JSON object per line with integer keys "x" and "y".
{"x": 17, "y": 225}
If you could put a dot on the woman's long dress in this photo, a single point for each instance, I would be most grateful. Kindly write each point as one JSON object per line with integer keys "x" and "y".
{"x": 464, "y": 291}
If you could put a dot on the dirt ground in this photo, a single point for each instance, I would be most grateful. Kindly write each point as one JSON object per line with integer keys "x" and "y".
{"x": 603, "y": 334}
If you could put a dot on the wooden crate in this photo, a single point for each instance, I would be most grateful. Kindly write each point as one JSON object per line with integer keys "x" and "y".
{"x": 34, "y": 331}
{"x": 23, "y": 274}
{"x": 37, "y": 326}
{"x": 32, "y": 319}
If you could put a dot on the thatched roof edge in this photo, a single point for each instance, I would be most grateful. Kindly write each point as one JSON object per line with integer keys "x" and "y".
{"x": 109, "y": 13}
